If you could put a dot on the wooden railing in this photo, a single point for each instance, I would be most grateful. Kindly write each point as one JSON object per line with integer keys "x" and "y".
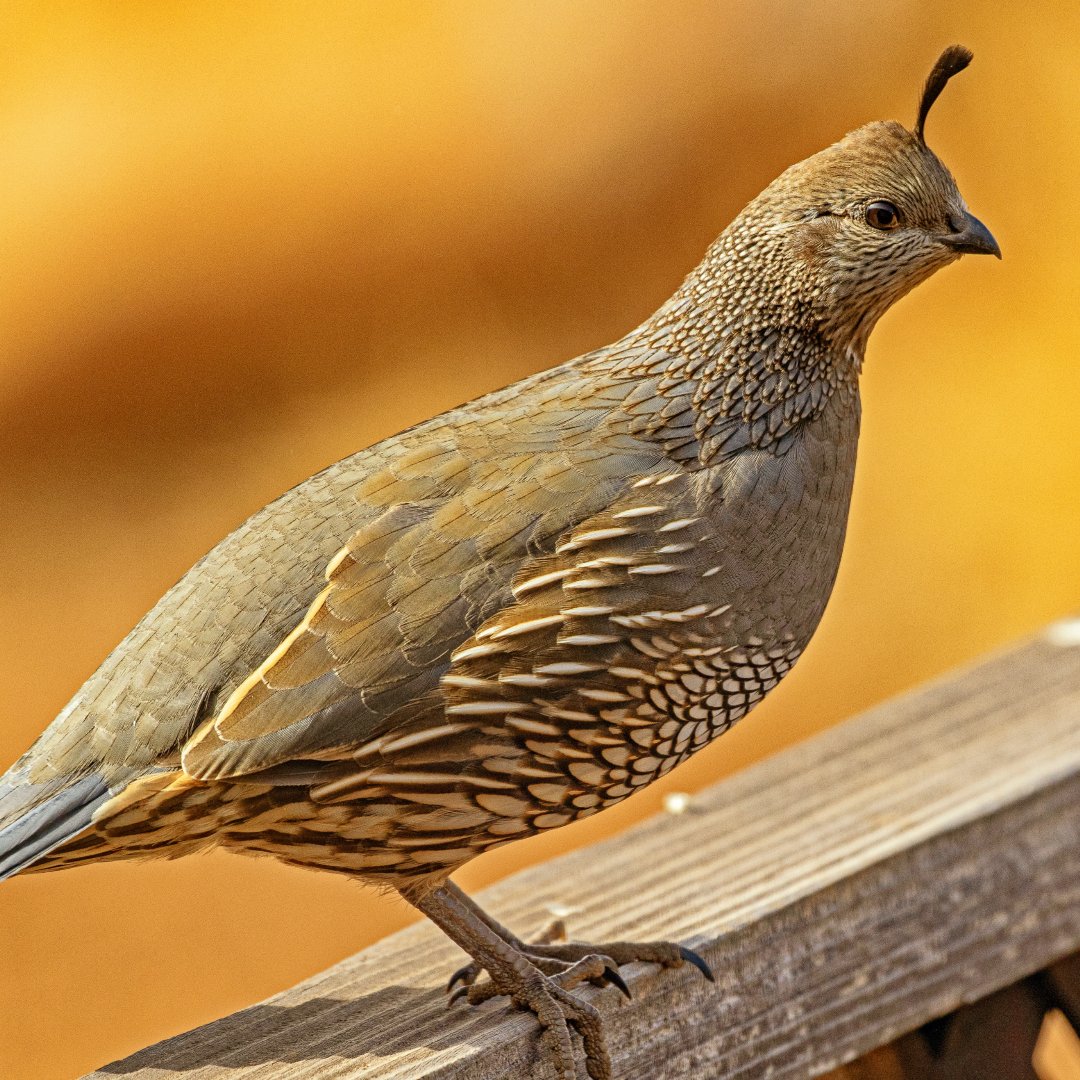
{"x": 847, "y": 891}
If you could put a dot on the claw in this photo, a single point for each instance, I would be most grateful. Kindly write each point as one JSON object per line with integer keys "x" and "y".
{"x": 692, "y": 957}
{"x": 616, "y": 980}
{"x": 462, "y": 975}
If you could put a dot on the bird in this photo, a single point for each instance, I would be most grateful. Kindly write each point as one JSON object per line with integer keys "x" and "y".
{"x": 517, "y": 614}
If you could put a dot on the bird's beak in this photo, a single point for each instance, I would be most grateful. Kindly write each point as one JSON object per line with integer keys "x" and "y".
{"x": 972, "y": 237}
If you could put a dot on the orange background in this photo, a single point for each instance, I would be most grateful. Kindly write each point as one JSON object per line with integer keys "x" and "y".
{"x": 241, "y": 241}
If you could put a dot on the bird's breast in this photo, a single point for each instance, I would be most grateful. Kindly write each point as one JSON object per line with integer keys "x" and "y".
{"x": 779, "y": 521}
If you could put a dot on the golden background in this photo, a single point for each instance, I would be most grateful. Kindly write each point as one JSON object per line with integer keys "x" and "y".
{"x": 241, "y": 241}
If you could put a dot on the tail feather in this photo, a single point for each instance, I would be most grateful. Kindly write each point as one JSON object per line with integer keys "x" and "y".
{"x": 37, "y": 818}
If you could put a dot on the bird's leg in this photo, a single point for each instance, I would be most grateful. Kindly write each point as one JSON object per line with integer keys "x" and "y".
{"x": 554, "y": 931}
{"x": 514, "y": 974}
{"x": 552, "y": 954}
{"x": 462, "y": 981}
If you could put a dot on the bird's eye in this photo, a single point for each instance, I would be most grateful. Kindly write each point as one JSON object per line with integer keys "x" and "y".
{"x": 882, "y": 215}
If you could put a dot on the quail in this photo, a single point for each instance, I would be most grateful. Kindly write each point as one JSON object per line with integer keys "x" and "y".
{"x": 526, "y": 609}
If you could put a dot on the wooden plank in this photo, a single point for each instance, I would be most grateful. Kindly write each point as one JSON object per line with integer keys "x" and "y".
{"x": 845, "y": 891}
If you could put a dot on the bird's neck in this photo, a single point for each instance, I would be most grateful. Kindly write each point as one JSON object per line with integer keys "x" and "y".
{"x": 746, "y": 335}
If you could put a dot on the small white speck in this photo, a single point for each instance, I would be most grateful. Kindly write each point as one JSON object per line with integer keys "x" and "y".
{"x": 560, "y": 911}
{"x": 1065, "y": 633}
{"x": 676, "y": 802}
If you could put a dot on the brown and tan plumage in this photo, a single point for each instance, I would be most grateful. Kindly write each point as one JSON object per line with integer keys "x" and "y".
{"x": 526, "y": 609}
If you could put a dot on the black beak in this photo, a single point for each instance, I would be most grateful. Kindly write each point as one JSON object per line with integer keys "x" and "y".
{"x": 971, "y": 237}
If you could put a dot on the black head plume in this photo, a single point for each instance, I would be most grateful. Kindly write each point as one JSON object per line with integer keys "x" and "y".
{"x": 952, "y": 61}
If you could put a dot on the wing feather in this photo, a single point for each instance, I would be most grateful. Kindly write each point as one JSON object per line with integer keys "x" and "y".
{"x": 403, "y": 593}
{"x": 615, "y": 658}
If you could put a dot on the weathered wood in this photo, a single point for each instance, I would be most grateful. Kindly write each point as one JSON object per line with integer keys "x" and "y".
{"x": 846, "y": 891}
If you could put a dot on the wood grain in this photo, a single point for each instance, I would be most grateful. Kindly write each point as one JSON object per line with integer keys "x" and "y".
{"x": 920, "y": 856}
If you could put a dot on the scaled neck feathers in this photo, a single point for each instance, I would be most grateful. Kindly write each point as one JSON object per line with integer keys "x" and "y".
{"x": 741, "y": 356}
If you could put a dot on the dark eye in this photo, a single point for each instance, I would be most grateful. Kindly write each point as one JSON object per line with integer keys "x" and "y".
{"x": 882, "y": 215}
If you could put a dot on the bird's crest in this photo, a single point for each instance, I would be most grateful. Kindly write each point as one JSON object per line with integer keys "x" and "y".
{"x": 951, "y": 62}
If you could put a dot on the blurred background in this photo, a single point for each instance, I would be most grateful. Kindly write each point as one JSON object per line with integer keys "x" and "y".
{"x": 242, "y": 241}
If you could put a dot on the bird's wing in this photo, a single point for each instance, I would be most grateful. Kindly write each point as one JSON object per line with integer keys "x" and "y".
{"x": 619, "y": 654}
{"x": 609, "y": 618}
{"x": 454, "y": 520}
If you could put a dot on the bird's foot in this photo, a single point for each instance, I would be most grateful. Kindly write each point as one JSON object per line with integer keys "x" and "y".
{"x": 466, "y": 976}
{"x": 529, "y": 984}
{"x": 668, "y": 954}
{"x": 540, "y": 977}
{"x": 588, "y": 965}
{"x": 572, "y": 963}
{"x": 559, "y": 1013}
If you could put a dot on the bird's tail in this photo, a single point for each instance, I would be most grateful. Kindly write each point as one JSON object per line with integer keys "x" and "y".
{"x": 36, "y": 818}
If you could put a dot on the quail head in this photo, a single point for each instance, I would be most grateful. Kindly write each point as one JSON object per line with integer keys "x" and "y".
{"x": 522, "y": 611}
